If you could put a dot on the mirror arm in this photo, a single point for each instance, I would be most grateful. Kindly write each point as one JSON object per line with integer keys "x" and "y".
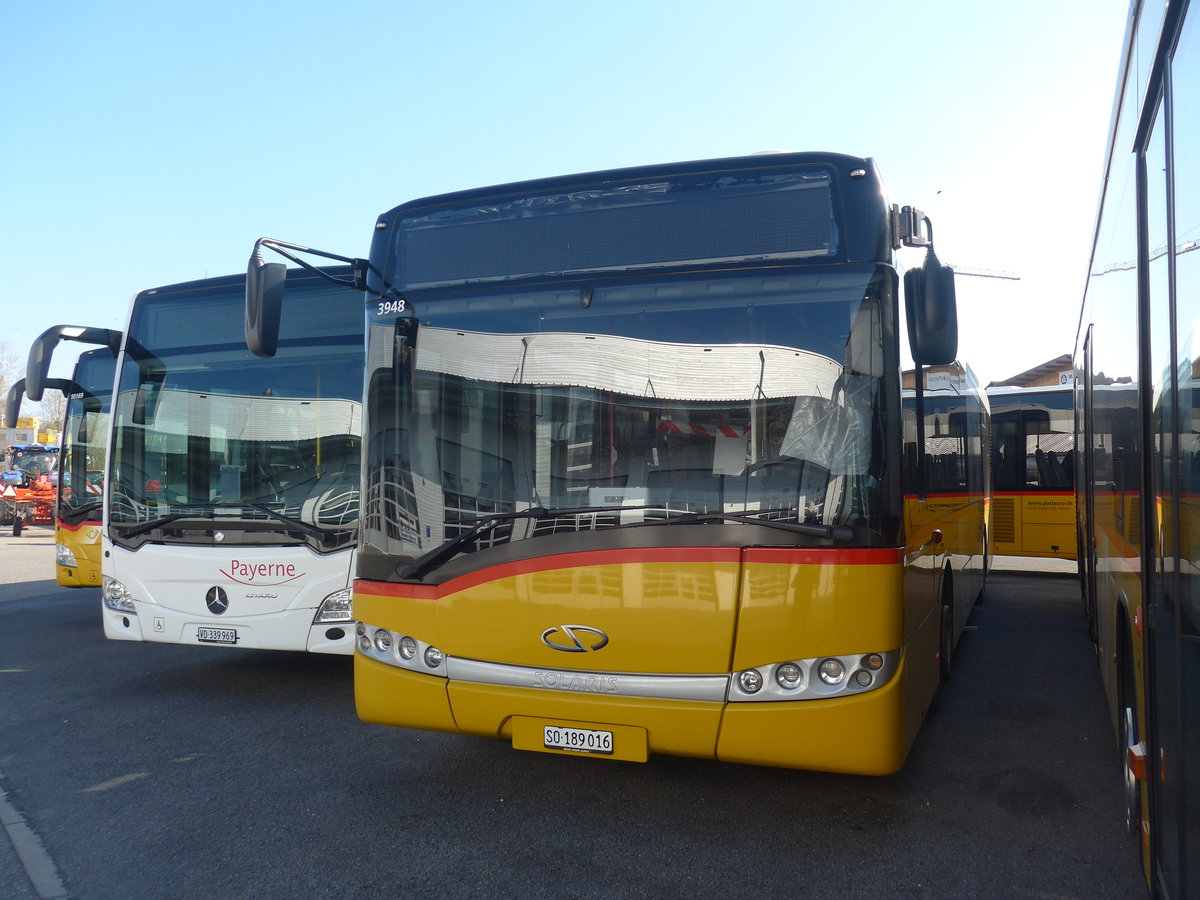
{"x": 361, "y": 266}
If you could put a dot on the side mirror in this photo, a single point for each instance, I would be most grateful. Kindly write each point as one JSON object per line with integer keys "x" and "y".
{"x": 12, "y": 403}
{"x": 40, "y": 353}
{"x": 264, "y": 302}
{"x": 932, "y": 310}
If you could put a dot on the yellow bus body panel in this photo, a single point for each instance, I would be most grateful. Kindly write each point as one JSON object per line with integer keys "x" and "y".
{"x": 502, "y": 618}
{"x": 672, "y": 617}
{"x": 791, "y": 611}
{"x": 84, "y": 542}
{"x": 1034, "y": 525}
{"x": 860, "y": 735}
{"x": 391, "y": 696}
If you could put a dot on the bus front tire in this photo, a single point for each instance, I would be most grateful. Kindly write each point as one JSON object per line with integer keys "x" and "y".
{"x": 946, "y": 639}
{"x": 1133, "y": 790}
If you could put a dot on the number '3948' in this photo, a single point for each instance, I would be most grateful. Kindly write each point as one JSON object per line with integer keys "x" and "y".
{"x": 391, "y": 307}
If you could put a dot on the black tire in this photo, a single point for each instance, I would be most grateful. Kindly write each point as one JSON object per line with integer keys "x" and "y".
{"x": 1133, "y": 789}
{"x": 1128, "y": 700}
{"x": 987, "y": 561}
{"x": 946, "y": 638}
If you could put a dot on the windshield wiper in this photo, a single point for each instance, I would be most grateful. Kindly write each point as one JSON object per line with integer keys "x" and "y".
{"x": 308, "y": 528}
{"x": 445, "y": 552}
{"x": 142, "y": 527}
{"x": 311, "y": 530}
{"x": 841, "y": 533}
{"x": 82, "y": 508}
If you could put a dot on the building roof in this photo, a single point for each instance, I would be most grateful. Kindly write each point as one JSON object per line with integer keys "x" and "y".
{"x": 1038, "y": 375}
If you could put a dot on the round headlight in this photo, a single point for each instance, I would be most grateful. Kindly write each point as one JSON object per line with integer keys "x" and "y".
{"x": 360, "y": 628}
{"x": 863, "y": 678}
{"x": 407, "y": 647}
{"x": 433, "y": 657}
{"x": 364, "y": 644}
{"x": 383, "y": 640}
{"x": 751, "y": 681}
{"x": 788, "y": 676}
{"x": 873, "y": 661}
{"x": 832, "y": 671}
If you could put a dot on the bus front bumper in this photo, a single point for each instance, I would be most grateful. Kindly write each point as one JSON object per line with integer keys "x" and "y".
{"x": 862, "y": 734}
{"x": 292, "y": 629}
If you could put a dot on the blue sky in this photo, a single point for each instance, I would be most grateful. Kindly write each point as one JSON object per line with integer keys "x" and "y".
{"x": 151, "y": 143}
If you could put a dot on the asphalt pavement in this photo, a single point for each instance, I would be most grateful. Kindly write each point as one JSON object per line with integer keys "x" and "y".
{"x": 142, "y": 770}
{"x": 25, "y": 559}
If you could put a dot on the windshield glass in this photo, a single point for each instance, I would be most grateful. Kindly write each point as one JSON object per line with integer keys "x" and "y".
{"x": 755, "y": 395}
{"x": 36, "y": 463}
{"x": 204, "y": 428}
{"x": 1033, "y": 440}
{"x": 85, "y": 436}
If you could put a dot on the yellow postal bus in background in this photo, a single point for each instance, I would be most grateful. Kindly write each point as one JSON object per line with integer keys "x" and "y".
{"x": 79, "y": 515}
{"x": 1033, "y": 471}
{"x": 79, "y": 476}
{"x": 638, "y": 473}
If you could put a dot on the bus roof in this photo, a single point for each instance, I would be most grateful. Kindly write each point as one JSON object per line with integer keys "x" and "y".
{"x": 631, "y": 173}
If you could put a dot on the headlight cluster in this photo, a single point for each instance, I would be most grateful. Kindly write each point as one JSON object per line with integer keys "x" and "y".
{"x": 337, "y": 607}
{"x": 401, "y": 650}
{"x": 117, "y": 596}
{"x": 816, "y": 678}
{"x": 65, "y": 556}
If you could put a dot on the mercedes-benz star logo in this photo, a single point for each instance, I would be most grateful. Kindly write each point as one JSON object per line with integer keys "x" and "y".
{"x": 592, "y": 638}
{"x": 217, "y": 600}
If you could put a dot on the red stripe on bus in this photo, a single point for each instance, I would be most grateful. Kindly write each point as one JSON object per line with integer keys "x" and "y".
{"x": 940, "y": 496}
{"x": 1035, "y": 493}
{"x": 780, "y": 556}
{"x": 84, "y": 524}
{"x": 816, "y": 556}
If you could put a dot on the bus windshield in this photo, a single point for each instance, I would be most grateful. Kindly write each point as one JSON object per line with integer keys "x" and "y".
{"x": 85, "y": 436}
{"x": 1033, "y": 440}
{"x": 205, "y": 430}
{"x": 749, "y": 396}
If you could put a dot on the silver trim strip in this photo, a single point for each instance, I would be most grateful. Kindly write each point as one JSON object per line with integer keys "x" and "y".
{"x": 709, "y": 688}
{"x": 705, "y": 688}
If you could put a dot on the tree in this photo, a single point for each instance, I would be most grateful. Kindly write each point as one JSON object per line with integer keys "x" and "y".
{"x": 52, "y": 409}
{"x": 12, "y": 368}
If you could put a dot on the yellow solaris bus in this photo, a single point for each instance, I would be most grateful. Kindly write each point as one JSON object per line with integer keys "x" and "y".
{"x": 635, "y": 469}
